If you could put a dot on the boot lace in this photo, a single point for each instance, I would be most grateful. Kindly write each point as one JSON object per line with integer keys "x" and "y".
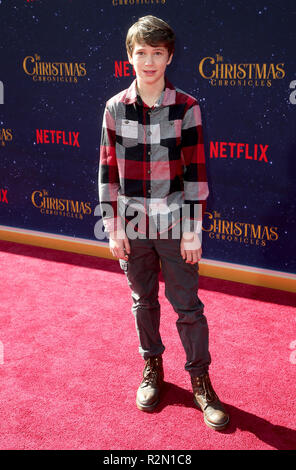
{"x": 202, "y": 385}
{"x": 151, "y": 371}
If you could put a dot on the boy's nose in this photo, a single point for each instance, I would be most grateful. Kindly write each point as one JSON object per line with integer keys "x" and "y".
{"x": 149, "y": 59}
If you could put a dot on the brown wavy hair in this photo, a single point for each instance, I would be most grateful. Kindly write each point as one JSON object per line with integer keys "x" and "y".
{"x": 152, "y": 31}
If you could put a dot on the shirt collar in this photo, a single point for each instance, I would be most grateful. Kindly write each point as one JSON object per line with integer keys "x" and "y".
{"x": 167, "y": 97}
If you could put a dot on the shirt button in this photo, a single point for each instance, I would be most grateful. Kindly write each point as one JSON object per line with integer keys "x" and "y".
{"x": 149, "y": 191}
{"x": 149, "y": 171}
{"x": 126, "y": 122}
{"x": 149, "y": 132}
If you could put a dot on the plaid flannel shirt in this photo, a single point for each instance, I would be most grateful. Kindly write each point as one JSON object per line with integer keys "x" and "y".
{"x": 152, "y": 162}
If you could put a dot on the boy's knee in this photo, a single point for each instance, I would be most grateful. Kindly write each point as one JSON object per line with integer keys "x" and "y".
{"x": 146, "y": 303}
{"x": 192, "y": 318}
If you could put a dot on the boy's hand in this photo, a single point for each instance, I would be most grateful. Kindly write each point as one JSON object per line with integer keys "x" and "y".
{"x": 119, "y": 245}
{"x": 190, "y": 247}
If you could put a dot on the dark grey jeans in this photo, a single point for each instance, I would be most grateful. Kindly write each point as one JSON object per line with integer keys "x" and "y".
{"x": 181, "y": 286}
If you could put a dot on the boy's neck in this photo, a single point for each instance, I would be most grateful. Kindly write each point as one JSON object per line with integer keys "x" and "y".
{"x": 150, "y": 92}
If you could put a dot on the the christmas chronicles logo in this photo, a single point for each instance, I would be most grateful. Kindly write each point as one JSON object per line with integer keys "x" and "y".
{"x": 234, "y": 150}
{"x": 46, "y": 136}
{"x": 5, "y": 136}
{"x": 219, "y": 228}
{"x": 50, "y": 205}
{"x": 243, "y": 74}
{"x": 42, "y": 71}
{"x": 117, "y": 3}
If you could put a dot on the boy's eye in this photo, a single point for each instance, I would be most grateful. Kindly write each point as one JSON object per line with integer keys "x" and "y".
{"x": 142, "y": 52}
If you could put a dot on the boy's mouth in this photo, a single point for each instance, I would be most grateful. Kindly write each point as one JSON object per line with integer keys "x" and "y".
{"x": 149, "y": 72}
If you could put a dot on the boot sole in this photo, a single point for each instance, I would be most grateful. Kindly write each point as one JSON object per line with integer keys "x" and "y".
{"x": 216, "y": 427}
{"x": 147, "y": 408}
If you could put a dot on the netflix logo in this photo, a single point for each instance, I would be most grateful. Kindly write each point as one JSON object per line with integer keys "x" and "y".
{"x": 235, "y": 150}
{"x": 123, "y": 69}
{"x": 3, "y": 195}
{"x": 45, "y": 136}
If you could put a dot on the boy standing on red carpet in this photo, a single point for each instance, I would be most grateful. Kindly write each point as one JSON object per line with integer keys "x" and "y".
{"x": 153, "y": 189}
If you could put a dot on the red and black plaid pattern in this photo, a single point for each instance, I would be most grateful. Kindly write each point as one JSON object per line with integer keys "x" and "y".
{"x": 152, "y": 160}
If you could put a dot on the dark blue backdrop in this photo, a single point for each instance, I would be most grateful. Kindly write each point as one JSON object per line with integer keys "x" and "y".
{"x": 251, "y": 208}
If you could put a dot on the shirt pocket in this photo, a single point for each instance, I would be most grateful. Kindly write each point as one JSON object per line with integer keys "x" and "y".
{"x": 127, "y": 132}
{"x": 170, "y": 132}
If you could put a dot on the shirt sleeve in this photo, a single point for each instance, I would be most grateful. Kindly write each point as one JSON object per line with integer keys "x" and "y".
{"x": 196, "y": 188}
{"x": 108, "y": 174}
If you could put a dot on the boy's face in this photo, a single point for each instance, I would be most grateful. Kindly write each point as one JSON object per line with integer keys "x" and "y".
{"x": 150, "y": 62}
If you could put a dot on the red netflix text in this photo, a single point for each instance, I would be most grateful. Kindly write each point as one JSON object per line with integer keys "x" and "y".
{"x": 3, "y": 195}
{"x": 45, "y": 136}
{"x": 238, "y": 150}
{"x": 124, "y": 69}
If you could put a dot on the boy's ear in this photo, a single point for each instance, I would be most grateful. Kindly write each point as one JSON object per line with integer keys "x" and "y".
{"x": 130, "y": 59}
{"x": 170, "y": 58}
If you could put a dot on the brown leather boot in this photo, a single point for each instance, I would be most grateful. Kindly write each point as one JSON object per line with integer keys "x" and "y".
{"x": 206, "y": 399}
{"x": 149, "y": 389}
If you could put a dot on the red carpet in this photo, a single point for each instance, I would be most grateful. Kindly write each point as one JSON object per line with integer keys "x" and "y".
{"x": 70, "y": 365}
